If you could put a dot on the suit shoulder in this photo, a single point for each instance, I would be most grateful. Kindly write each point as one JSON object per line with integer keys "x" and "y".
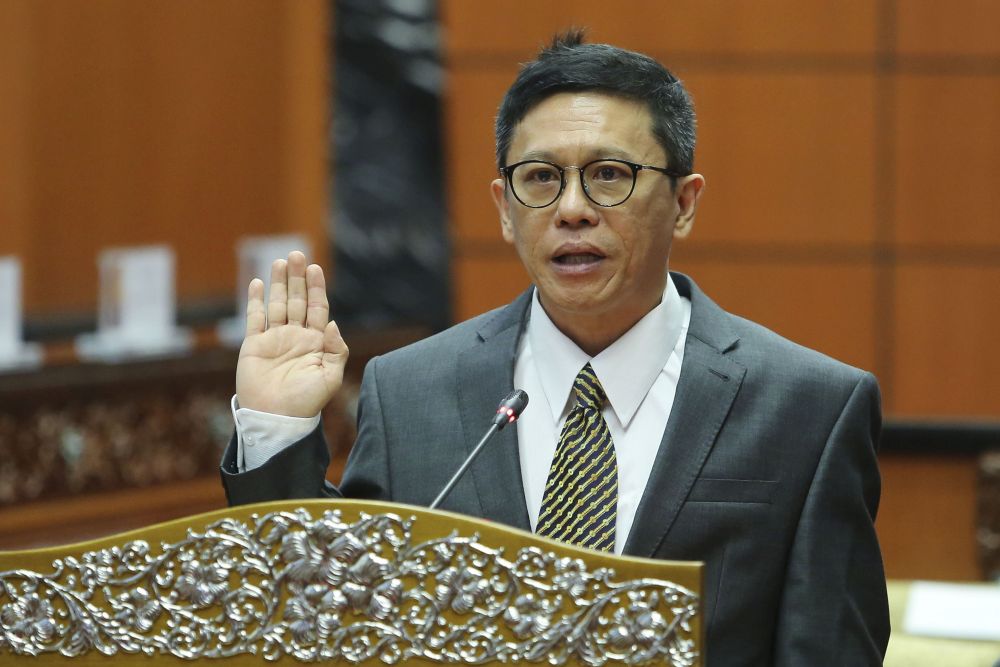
{"x": 762, "y": 347}
{"x": 761, "y": 351}
{"x": 434, "y": 355}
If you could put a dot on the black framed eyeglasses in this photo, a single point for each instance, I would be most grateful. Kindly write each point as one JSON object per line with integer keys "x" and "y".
{"x": 606, "y": 182}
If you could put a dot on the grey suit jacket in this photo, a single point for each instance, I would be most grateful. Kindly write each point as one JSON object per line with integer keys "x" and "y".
{"x": 766, "y": 471}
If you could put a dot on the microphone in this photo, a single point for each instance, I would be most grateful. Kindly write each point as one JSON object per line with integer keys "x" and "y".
{"x": 510, "y": 409}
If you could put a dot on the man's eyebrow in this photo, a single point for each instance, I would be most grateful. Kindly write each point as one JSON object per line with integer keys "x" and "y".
{"x": 592, "y": 154}
{"x": 537, "y": 155}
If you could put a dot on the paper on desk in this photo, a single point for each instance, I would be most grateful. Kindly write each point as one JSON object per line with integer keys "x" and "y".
{"x": 254, "y": 255}
{"x": 955, "y": 611}
{"x": 137, "y": 307}
{"x": 15, "y": 354}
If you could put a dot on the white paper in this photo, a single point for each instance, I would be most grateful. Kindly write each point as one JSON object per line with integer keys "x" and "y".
{"x": 138, "y": 294}
{"x": 137, "y": 306}
{"x": 14, "y": 352}
{"x": 254, "y": 255}
{"x": 10, "y": 305}
{"x": 955, "y": 611}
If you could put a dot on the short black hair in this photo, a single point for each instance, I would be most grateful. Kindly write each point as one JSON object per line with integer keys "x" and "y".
{"x": 569, "y": 64}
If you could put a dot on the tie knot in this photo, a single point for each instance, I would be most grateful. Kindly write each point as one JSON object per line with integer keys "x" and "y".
{"x": 588, "y": 389}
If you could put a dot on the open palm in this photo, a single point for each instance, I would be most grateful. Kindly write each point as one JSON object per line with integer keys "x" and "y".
{"x": 293, "y": 356}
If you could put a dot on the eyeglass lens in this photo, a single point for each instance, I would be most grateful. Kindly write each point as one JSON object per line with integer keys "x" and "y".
{"x": 606, "y": 182}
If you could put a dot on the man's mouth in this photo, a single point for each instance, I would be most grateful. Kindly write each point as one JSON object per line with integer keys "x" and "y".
{"x": 574, "y": 259}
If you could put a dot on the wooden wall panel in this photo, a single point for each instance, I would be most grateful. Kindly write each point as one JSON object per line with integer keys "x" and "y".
{"x": 720, "y": 26}
{"x": 926, "y": 520}
{"x": 948, "y": 159}
{"x": 486, "y": 281}
{"x": 15, "y": 82}
{"x": 788, "y": 158}
{"x": 958, "y": 27}
{"x": 825, "y": 306}
{"x": 470, "y": 147}
{"x": 182, "y": 122}
{"x": 946, "y": 361}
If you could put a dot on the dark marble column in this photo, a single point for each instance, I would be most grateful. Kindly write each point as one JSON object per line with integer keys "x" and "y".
{"x": 390, "y": 231}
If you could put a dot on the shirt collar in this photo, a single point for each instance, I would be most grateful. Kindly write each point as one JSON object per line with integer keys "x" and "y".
{"x": 627, "y": 368}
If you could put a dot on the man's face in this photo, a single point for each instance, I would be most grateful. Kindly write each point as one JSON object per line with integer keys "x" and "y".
{"x": 595, "y": 267}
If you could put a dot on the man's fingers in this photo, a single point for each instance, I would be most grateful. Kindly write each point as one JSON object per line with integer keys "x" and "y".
{"x": 296, "y": 288}
{"x": 318, "y": 312}
{"x": 277, "y": 298}
{"x": 333, "y": 342}
{"x": 256, "y": 318}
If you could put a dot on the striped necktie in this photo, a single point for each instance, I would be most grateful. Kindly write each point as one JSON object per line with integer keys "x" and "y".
{"x": 580, "y": 504}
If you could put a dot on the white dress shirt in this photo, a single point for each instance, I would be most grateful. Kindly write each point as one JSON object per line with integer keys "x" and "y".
{"x": 639, "y": 373}
{"x": 261, "y": 435}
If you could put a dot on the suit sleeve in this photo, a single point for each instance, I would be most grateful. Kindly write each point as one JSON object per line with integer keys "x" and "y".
{"x": 299, "y": 471}
{"x": 834, "y": 609}
{"x": 366, "y": 474}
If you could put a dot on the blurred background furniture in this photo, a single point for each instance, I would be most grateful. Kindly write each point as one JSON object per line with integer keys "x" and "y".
{"x": 907, "y": 650}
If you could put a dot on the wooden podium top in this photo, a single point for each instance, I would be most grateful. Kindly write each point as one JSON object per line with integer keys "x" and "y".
{"x": 355, "y": 581}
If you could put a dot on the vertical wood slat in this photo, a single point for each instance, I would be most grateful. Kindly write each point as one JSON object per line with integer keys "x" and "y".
{"x": 948, "y": 159}
{"x": 835, "y": 296}
{"x": 15, "y": 84}
{"x": 962, "y": 27}
{"x": 926, "y": 522}
{"x": 826, "y": 27}
{"x": 947, "y": 364}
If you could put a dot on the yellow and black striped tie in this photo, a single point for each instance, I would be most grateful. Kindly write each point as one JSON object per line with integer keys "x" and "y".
{"x": 580, "y": 505}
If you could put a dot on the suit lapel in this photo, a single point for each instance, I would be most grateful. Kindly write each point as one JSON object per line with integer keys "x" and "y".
{"x": 486, "y": 376}
{"x": 706, "y": 389}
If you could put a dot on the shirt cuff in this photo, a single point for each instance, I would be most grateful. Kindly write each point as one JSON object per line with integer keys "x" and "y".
{"x": 261, "y": 435}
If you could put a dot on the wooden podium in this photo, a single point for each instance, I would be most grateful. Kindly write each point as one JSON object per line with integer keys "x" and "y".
{"x": 348, "y": 581}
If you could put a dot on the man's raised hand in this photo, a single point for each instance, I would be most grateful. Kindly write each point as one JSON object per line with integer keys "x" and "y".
{"x": 292, "y": 359}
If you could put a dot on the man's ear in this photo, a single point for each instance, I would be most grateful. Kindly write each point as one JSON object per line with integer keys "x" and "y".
{"x": 688, "y": 192}
{"x": 498, "y": 188}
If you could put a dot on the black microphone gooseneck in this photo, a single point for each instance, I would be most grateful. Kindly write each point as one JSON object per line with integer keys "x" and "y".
{"x": 508, "y": 412}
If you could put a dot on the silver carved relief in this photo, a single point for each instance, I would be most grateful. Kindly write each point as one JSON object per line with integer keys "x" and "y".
{"x": 315, "y": 589}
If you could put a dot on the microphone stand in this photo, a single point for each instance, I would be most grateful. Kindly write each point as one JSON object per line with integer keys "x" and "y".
{"x": 508, "y": 412}
{"x": 472, "y": 457}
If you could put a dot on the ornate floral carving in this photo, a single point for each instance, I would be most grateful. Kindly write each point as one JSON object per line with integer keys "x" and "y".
{"x": 287, "y": 584}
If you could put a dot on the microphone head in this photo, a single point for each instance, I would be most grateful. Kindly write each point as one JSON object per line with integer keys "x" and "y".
{"x": 510, "y": 408}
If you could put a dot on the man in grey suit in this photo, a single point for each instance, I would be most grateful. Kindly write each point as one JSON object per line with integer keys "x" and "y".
{"x": 731, "y": 445}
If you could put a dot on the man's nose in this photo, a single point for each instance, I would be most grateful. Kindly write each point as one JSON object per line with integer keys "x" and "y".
{"x": 575, "y": 208}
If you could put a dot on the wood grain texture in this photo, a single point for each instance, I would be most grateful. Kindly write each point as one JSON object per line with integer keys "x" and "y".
{"x": 787, "y": 158}
{"x": 946, "y": 365}
{"x": 720, "y": 26}
{"x": 960, "y": 27}
{"x": 825, "y": 306}
{"x": 184, "y": 122}
{"x": 948, "y": 160}
{"x": 484, "y": 282}
{"x": 469, "y": 110}
{"x": 926, "y": 520}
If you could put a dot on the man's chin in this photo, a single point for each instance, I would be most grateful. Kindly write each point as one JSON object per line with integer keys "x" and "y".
{"x": 571, "y": 303}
